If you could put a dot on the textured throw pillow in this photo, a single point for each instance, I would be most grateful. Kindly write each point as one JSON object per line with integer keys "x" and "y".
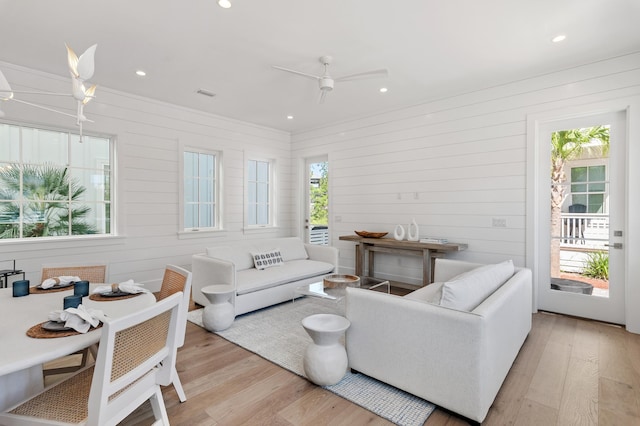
{"x": 267, "y": 259}
{"x": 466, "y": 291}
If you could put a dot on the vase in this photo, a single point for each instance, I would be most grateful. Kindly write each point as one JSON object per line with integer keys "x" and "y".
{"x": 398, "y": 233}
{"x": 413, "y": 232}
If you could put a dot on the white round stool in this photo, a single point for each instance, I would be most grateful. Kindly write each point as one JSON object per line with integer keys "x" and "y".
{"x": 325, "y": 360}
{"x": 219, "y": 315}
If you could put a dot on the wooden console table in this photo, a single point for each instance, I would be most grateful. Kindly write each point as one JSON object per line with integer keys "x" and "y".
{"x": 428, "y": 251}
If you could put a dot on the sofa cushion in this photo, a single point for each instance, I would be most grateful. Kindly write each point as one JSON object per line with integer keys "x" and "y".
{"x": 240, "y": 255}
{"x": 291, "y": 248}
{"x": 251, "y": 280}
{"x": 431, "y": 293}
{"x": 468, "y": 290}
{"x": 267, "y": 259}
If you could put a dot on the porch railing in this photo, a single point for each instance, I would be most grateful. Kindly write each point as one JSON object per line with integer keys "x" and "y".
{"x": 319, "y": 235}
{"x": 586, "y": 230}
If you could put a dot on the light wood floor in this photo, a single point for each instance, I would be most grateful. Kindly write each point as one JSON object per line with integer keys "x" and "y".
{"x": 569, "y": 372}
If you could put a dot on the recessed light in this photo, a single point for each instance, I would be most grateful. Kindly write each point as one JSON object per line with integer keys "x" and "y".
{"x": 141, "y": 73}
{"x": 558, "y": 38}
{"x": 383, "y": 90}
{"x": 289, "y": 117}
{"x": 225, "y": 4}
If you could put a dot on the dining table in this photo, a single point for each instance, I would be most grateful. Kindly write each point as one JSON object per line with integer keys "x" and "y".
{"x": 21, "y": 356}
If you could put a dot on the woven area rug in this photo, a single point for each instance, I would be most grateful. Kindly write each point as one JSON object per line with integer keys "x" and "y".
{"x": 276, "y": 334}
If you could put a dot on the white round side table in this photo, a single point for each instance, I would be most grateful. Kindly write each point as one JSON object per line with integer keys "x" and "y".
{"x": 218, "y": 315}
{"x": 325, "y": 360}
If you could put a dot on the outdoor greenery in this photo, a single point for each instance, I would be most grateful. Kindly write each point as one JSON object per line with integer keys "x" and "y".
{"x": 568, "y": 145}
{"x": 597, "y": 265}
{"x": 320, "y": 198}
{"x": 48, "y": 195}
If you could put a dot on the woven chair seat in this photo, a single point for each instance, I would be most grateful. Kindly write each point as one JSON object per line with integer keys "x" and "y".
{"x": 66, "y": 403}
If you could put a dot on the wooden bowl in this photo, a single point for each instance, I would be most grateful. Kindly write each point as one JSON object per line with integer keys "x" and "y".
{"x": 367, "y": 234}
{"x": 339, "y": 280}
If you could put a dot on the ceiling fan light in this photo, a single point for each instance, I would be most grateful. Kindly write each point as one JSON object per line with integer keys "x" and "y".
{"x": 225, "y": 4}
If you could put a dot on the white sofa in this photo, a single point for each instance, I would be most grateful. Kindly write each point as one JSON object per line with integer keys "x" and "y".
{"x": 453, "y": 358}
{"x": 258, "y": 288}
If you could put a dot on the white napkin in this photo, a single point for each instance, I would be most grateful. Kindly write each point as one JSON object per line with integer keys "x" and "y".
{"x": 50, "y": 282}
{"x": 126, "y": 286}
{"x": 80, "y": 318}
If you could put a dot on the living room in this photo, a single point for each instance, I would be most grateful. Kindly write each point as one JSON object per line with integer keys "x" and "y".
{"x": 452, "y": 161}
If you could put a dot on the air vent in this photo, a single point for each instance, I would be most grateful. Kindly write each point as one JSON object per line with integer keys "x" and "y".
{"x": 206, "y": 92}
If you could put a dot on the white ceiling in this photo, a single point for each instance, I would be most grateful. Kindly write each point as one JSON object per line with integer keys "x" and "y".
{"x": 432, "y": 48}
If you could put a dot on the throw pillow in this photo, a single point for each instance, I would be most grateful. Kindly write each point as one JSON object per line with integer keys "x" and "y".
{"x": 466, "y": 291}
{"x": 267, "y": 259}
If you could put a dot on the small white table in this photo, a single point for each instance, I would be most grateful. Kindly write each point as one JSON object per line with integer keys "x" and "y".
{"x": 219, "y": 315}
{"x": 325, "y": 360}
{"x": 21, "y": 356}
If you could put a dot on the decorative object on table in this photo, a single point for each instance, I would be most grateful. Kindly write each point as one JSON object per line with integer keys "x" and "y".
{"x": 71, "y": 301}
{"x": 340, "y": 280}
{"x": 125, "y": 288}
{"x": 220, "y": 313}
{"x": 325, "y": 360}
{"x": 80, "y": 318}
{"x": 413, "y": 231}
{"x": 20, "y": 288}
{"x": 6, "y": 273}
{"x": 398, "y": 233}
{"x": 367, "y": 234}
{"x": 58, "y": 282}
{"x": 81, "y": 288}
{"x": 81, "y": 69}
{"x": 434, "y": 240}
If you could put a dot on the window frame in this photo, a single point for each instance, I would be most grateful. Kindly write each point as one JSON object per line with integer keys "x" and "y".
{"x": 271, "y": 198}
{"x": 72, "y": 136}
{"x": 183, "y": 231}
{"x": 587, "y": 184}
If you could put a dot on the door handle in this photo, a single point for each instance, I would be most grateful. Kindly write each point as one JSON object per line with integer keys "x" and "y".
{"x": 614, "y": 245}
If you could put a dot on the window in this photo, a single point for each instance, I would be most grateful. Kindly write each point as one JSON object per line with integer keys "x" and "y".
{"x": 259, "y": 193}
{"x": 588, "y": 187}
{"x": 53, "y": 185}
{"x": 201, "y": 188}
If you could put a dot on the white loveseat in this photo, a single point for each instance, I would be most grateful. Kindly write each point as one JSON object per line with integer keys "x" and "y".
{"x": 258, "y": 288}
{"x": 453, "y": 358}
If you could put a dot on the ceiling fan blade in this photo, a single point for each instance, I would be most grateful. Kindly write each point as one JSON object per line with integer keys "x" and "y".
{"x": 315, "y": 77}
{"x": 362, "y": 75}
{"x": 5, "y": 89}
{"x": 323, "y": 95}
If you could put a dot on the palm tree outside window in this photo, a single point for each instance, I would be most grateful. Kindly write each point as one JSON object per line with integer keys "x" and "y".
{"x": 53, "y": 185}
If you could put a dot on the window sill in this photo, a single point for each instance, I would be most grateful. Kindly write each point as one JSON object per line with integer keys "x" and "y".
{"x": 260, "y": 229}
{"x": 63, "y": 242}
{"x": 202, "y": 233}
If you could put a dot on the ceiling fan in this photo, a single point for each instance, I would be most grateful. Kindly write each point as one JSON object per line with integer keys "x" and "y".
{"x": 81, "y": 69}
{"x": 326, "y": 82}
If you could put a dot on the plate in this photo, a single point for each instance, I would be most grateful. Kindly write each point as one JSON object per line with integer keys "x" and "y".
{"x": 367, "y": 234}
{"x": 55, "y": 326}
{"x": 115, "y": 294}
{"x": 39, "y": 286}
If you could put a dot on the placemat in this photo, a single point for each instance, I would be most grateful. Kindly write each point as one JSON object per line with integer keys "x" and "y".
{"x": 100, "y": 298}
{"x": 36, "y": 290}
{"x": 37, "y": 332}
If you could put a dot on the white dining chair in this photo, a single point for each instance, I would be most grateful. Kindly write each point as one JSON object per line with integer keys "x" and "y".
{"x": 94, "y": 273}
{"x": 136, "y": 356}
{"x": 177, "y": 279}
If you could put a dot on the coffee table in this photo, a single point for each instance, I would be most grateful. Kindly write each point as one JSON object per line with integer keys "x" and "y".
{"x": 336, "y": 294}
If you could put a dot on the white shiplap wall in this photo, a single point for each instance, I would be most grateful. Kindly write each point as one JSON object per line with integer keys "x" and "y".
{"x": 453, "y": 164}
{"x": 148, "y": 135}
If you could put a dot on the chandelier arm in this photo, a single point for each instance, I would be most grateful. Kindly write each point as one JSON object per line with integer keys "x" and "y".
{"x": 48, "y": 109}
